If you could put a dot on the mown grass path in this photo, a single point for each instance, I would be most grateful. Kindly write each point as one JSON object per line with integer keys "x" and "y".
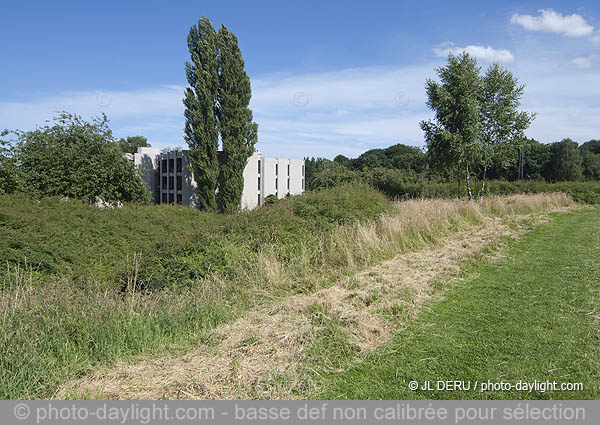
{"x": 532, "y": 316}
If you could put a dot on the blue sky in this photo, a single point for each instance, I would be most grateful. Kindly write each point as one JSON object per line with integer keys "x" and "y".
{"x": 328, "y": 77}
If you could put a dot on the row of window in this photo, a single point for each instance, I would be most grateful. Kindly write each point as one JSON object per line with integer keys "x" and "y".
{"x": 170, "y": 183}
{"x": 171, "y": 165}
{"x": 170, "y": 198}
{"x": 277, "y": 169}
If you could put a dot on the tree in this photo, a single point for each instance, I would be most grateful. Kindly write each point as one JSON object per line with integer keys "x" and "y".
{"x": 201, "y": 132}
{"x": 77, "y": 159}
{"x": 9, "y": 177}
{"x": 590, "y": 156}
{"x": 502, "y": 124}
{"x": 565, "y": 162}
{"x": 132, "y": 143}
{"x": 234, "y": 121}
{"x": 452, "y": 138}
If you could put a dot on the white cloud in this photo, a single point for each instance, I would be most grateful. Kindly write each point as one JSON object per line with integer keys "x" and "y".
{"x": 488, "y": 54}
{"x": 550, "y": 21}
{"x": 584, "y": 61}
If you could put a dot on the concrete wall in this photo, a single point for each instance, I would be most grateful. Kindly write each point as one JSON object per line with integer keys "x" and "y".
{"x": 262, "y": 177}
{"x": 146, "y": 159}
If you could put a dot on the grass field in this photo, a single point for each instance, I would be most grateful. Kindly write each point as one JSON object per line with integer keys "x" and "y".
{"x": 532, "y": 316}
{"x": 85, "y": 288}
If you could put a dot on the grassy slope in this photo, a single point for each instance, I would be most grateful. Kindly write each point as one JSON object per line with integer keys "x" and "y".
{"x": 528, "y": 317}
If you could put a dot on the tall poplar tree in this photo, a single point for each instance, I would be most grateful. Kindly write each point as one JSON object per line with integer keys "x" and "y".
{"x": 201, "y": 132}
{"x": 234, "y": 119}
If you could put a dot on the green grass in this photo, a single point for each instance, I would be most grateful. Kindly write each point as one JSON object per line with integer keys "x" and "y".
{"x": 531, "y": 316}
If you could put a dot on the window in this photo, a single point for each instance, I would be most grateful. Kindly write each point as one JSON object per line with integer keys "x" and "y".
{"x": 303, "y": 171}
{"x": 259, "y": 199}
{"x": 302, "y": 184}
{"x": 164, "y": 182}
{"x": 259, "y": 166}
{"x": 179, "y": 199}
{"x": 288, "y": 183}
{"x": 276, "y": 183}
{"x": 179, "y": 164}
{"x": 276, "y": 169}
{"x": 164, "y": 198}
{"x": 171, "y": 198}
{"x": 171, "y": 183}
{"x": 288, "y": 169}
{"x": 179, "y": 182}
{"x": 164, "y": 165}
{"x": 258, "y": 182}
{"x": 171, "y": 165}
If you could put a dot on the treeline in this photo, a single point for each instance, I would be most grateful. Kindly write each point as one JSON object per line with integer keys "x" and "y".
{"x": 405, "y": 171}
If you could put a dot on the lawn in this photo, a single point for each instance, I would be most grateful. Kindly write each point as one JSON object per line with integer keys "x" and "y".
{"x": 532, "y": 316}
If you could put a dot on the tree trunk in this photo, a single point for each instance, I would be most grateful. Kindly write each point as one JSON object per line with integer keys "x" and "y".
{"x": 482, "y": 191}
{"x": 458, "y": 180}
{"x": 469, "y": 183}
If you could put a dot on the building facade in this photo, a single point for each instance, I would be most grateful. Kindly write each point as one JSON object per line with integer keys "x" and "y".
{"x": 171, "y": 181}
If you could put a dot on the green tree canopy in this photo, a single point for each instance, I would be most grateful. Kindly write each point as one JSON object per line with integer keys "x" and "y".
{"x": 452, "y": 137}
{"x": 77, "y": 159}
{"x": 564, "y": 162}
{"x": 132, "y": 143}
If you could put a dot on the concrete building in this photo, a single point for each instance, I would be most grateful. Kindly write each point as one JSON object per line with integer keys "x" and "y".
{"x": 169, "y": 177}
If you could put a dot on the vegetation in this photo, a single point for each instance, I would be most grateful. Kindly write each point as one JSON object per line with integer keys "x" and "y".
{"x": 216, "y": 104}
{"x": 201, "y": 132}
{"x": 238, "y": 132}
{"x": 477, "y": 121}
{"x": 84, "y": 287}
{"x": 71, "y": 158}
{"x": 531, "y": 316}
{"x": 132, "y": 143}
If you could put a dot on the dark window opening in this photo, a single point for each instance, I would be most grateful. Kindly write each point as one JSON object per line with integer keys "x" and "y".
{"x": 179, "y": 182}
{"x": 171, "y": 165}
{"x": 171, "y": 198}
{"x": 179, "y": 164}
{"x": 288, "y": 183}
{"x": 259, "y": 166}
{"x": 164, "y": 165}
{"x": 179, "y": 199}
{"x": 303, "y": 171}
{"x": 288, "y": 169}
{"x": 302, "y": 184}
{"x": 259, "y": 199}
{"x": 276, "y": 169}
{"x": 259, "y": 183}
{"x": 171, "y": 183}
{"x": 276, "y": 184}
{"x": 164, "y": 182}
{"x": 164, "y": 198}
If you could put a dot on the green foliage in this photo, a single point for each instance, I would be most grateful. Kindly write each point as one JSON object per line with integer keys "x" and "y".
{"x": 9, "y": 176}
{"x": 201, "y": 132}
{"x": 176, "y": 245}
{"x": 502, "y": 124}
{"x": 564, "y": 163}
{"x": 234, "y": 120}
{"x": 216, "y": 103}
{"x": 312, "y": 166}
{"x": 76, "y": 159}
{"x": 132, "y": 143}
{"x": 452, "y": 139}
{"x": 270, "y": 200}
{"x": 590, "y": 158}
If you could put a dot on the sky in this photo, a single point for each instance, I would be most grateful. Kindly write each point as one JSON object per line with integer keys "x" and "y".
{"x": 328, "y": 77}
